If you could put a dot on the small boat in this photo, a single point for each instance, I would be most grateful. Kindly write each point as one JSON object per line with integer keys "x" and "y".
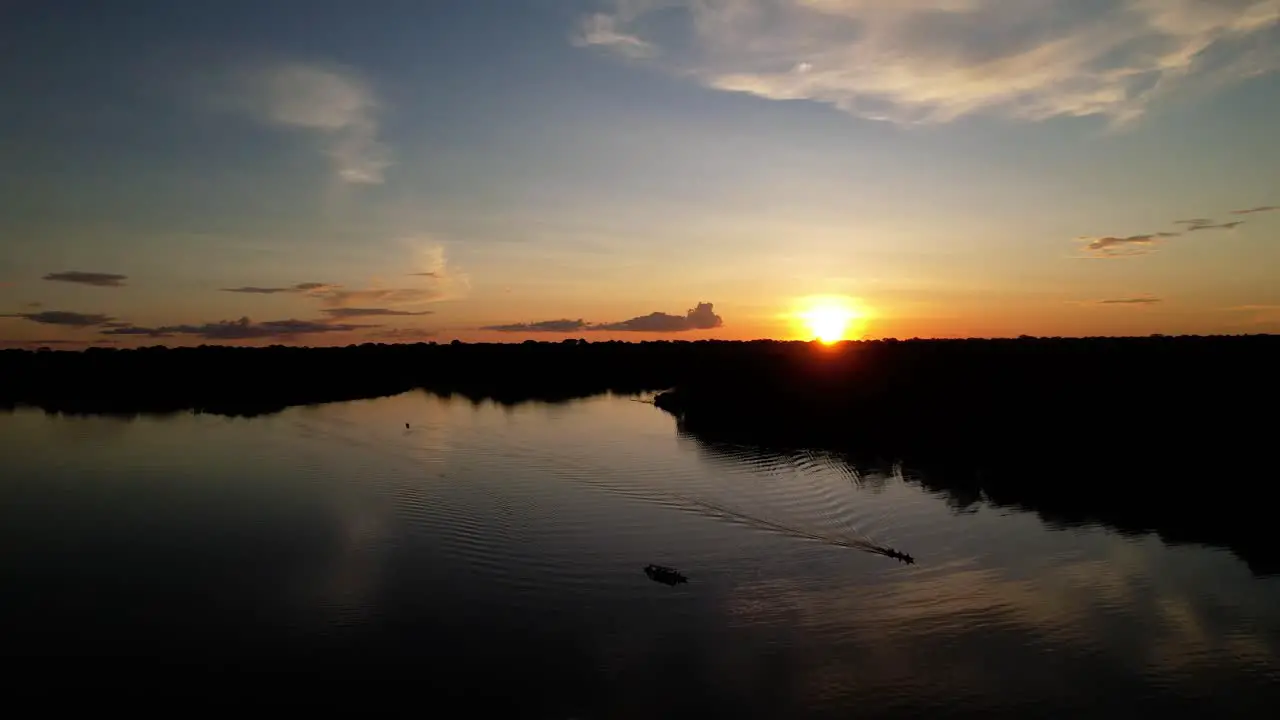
{"x": 897, "y": 555}
{"x": 664, "y": 575}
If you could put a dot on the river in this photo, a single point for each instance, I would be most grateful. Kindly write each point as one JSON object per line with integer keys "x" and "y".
{"x": 496, "y": 552}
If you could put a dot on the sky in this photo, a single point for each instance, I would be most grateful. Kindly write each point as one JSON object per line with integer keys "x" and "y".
{"x": 321, "y": 172}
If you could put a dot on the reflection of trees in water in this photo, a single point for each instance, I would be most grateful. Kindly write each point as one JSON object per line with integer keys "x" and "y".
{"x": 506, "y": 400}
{"x": 813, "y": 508}
{"x": 1139, "y": 494}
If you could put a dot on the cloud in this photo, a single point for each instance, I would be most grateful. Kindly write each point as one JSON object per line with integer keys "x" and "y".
{"x": 1255, "y": 308}
{"x": 935, "y": 61}
{"x": 1110, "y": 246}
{"x": 34, "y": 305}
{"x": 127, "y": 329}
{"x": 1132, "y": 301}
{"x": 701, "y": 317}
{"x": 337, "y": 298}
{"x": 1258, "y": 315}
{"x": 427, "y": 258}
{"x": 310, "y": 288}
{"x": 1218, "y": 226}
{"x": 332, "y": 102}
{"x": 242, "y": 329}
{"x": 62, "y": 317}
{"x": 440, "y": 281}
{"x": 1099, "y": 247}
{"x": 549, "y": 326}
{"x": 403, "y": 334}
{"x": 96, "y": 279}
{"x": 1260, "y": 209}
{"x": 354, "y": 312}
{"x": 36, "y": 343}
{"x": 601, "y": 29}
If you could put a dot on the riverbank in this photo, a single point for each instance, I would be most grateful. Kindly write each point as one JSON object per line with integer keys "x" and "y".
{"x": 1165, "y": 435}
{"x": 941, "y": 384}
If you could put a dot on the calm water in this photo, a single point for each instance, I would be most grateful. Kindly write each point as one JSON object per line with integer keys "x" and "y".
{"x": 497, "y": 552}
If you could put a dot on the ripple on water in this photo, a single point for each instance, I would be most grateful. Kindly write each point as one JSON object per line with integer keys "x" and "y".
{"x": 535, "y": 524}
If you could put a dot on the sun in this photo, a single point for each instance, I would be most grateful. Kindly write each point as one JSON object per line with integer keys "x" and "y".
{"x": 830, "y": 319}
{"x": 828, "y": 324}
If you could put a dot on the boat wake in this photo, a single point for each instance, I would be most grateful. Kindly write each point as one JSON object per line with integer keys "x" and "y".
{"x": 853, "y": 542}
{"x": 811, "y": 490}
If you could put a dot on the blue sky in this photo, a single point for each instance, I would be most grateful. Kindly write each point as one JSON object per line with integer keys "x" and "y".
{"x": 956, "y": 167}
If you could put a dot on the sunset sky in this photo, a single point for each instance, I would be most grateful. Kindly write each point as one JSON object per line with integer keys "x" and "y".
{"x": 327, "y": 172}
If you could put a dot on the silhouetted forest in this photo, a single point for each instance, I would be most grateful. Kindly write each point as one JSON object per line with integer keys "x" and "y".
{"x": 1164, "y": 434}
{"x": 244, "y": 381}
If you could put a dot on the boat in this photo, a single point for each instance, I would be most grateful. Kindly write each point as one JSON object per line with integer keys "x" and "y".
{"x": 664, "y": 574}
{"x": 898, "y": 555}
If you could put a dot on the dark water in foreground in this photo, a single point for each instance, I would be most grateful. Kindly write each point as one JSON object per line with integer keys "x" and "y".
{"x": 496, "y": 554}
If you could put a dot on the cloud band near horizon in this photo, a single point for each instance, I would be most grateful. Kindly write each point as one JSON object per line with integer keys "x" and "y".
{"x": 702, "y": 317}
{"x": 95, "y": 279}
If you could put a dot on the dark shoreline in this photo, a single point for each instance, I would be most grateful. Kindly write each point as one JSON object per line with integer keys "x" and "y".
{"x": 247, "y": 382}
{"x": 1170, "y": 435}
{"x": 1167, "y": 435}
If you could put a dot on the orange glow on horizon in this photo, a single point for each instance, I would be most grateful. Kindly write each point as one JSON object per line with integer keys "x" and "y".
{"x": 830, "y": 319}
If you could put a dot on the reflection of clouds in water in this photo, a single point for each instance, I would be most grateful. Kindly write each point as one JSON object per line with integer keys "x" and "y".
{"x": 1098, "y": 618}
{"x": 378, "y": 425}
{"x": 87, "y": 429}
{"x": 389, "y": 460}
{"x": 341, "y": 590}
{"x": 349, "y": 588}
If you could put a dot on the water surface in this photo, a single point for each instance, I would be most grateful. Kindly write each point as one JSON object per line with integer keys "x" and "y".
{"x": 496, "y": 552}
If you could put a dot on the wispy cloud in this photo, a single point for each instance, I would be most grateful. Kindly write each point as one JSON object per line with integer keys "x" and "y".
{"x": 1132, "y": 301}
{"x": 405, "y": 334}
{"x": 97, "y": 279}
{"x": 38, "y": 342}
{"x": 310, "y": 288}
{"x": 702, "y": 317}
{"x": 428, "y": 259}
{"x": 1216, "y": 226}
{"x": 63, "y": 317}
{"x": 128, "y": 329}
{"x": 1111, "y": 246}
{"x": 354, "y": 312}
{"x": 938, "y": 60}
{"x": 344, "y": 298}
{"x": 547, "y": 326}
{"x": 438, "y": 280}
{"x": 1260, "y": 209}
{"x": 602, "y": 29}
{"x": 1257, "y": 315}
{"x": 242, "y": 329}
{"x": 333, "y": 102}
